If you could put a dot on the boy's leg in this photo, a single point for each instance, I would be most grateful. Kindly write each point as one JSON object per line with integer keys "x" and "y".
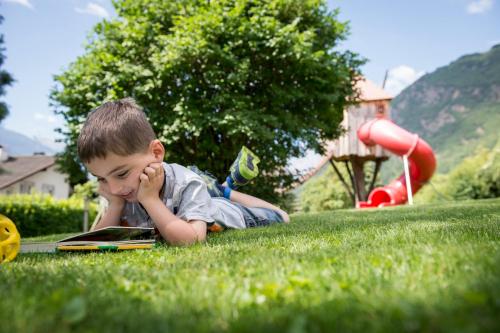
{"x": 251, "y": 201}
{"x": 259, "y": 216}
{"x": 243, "y": 170}
{"x": 213, "y": 187}
{"x": 216, "y": 190}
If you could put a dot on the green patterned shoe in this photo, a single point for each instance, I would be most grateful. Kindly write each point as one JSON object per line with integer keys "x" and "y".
{"x": 243, "y": 169}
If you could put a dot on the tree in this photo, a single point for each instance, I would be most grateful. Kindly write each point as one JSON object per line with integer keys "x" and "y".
{"x": 215, "y": 75}
{"x": 5, "y": 79}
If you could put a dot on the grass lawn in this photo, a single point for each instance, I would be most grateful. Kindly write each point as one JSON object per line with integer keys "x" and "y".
{"x": 432, "y": 268}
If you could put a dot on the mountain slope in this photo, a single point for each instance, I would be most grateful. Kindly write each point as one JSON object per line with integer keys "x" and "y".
{"x": 456, "y": 108}
{"x": 18, "y": 144}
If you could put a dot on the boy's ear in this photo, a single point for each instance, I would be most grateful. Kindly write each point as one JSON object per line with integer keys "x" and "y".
{"x": 156, "y": 148}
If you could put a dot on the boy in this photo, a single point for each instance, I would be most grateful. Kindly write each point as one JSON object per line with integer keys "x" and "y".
{"x": 119, "y": 147}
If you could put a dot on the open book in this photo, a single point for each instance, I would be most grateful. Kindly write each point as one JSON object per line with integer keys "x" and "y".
{"x": 110, "y": 238}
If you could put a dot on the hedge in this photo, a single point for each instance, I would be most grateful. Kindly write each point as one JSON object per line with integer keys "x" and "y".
{"x": 37, "y": 215}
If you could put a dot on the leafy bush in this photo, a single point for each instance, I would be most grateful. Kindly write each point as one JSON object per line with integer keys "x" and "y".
{"x": 323, "y": 192}
{"x": 477, "y": 177}
{"x": 37, "y": 214}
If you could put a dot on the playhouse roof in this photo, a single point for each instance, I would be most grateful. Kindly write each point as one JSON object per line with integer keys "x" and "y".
{"x": 371, "y": 92}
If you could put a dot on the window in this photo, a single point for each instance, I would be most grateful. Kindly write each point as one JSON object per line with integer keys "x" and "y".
{"x": 380, "y": 107}
{"x": 50, "y": 189}
{"x": 26, "y": 187}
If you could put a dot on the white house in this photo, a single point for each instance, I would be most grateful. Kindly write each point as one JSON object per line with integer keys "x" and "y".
{"x": 24, "y": 174}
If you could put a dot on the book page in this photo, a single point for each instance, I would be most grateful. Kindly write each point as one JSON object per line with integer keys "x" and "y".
{"x": 113, "y": 234}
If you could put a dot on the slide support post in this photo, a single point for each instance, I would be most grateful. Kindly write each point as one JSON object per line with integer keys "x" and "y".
{"x": 408, "y": 181}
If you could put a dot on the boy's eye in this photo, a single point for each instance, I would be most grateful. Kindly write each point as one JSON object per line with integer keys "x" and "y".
{"x": 101, "y": 180}
{"x": 123, "y": 174}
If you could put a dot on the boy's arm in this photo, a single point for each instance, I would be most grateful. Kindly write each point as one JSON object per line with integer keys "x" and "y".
{"x": 112, "y": 214}
{"x": 173, "y": 229}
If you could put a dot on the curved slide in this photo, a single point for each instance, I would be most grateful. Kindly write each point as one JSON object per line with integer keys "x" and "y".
{"x": 397, "y": 140}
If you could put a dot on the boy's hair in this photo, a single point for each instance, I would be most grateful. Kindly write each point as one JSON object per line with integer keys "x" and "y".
{"x": 118, "y": 127}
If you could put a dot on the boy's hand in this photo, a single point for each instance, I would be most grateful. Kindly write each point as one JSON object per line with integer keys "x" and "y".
{"x": 151, "y": 182}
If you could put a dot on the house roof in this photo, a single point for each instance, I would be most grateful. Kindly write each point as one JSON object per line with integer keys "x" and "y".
{"x": 18, "y": 168}
{"x": 371, "y": 92}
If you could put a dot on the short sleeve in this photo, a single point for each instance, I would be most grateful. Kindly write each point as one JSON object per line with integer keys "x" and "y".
{"x": 195, "y": 202}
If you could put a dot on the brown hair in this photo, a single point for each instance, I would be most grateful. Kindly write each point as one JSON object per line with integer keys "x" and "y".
{"x": 118, "y": 127}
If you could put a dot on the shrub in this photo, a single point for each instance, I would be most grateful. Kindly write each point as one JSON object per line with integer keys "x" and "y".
{"x": 476, "y": 177}
{"x": 323, "y": 192}
{"x": 37, "y": 214}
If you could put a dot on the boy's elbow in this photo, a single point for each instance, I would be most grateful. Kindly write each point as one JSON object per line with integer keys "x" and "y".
{"x": 194, "y": 233}
{"x": 182, "y": 242}
{"x": 186, "y": 241}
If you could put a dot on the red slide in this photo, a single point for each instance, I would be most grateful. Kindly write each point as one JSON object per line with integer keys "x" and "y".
{"x": 421, "y": 160}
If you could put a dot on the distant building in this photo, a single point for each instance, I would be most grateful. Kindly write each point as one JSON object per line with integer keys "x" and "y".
{"x": 24, "y": 174}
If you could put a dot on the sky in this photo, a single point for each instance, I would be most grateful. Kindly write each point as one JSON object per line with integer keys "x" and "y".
{"x": 407, "y": 38}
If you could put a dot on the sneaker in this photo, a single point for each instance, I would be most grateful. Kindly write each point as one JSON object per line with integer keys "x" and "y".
{"x": 243, "y": 169}
{"x": 213, "y": 186}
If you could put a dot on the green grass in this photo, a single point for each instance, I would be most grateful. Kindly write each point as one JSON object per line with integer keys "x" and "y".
{"x": 432, "y": 268}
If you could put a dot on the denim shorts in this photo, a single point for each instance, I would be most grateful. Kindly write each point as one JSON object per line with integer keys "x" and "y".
{"x": 259, "y": 217}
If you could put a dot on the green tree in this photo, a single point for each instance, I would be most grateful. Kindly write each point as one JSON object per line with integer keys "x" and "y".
{"x": 215, "y": 75}
{"x": 5, "y": 78}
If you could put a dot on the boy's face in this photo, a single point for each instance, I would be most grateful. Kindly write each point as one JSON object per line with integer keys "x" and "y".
{"x": 119, "y": 175}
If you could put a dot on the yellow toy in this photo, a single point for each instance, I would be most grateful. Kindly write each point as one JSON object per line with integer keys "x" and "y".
{"x": 10, "y": 240}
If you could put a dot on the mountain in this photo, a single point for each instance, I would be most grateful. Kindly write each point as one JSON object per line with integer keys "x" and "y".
{"x": 456, "y": 108}
{"x": 18, "y": 144}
